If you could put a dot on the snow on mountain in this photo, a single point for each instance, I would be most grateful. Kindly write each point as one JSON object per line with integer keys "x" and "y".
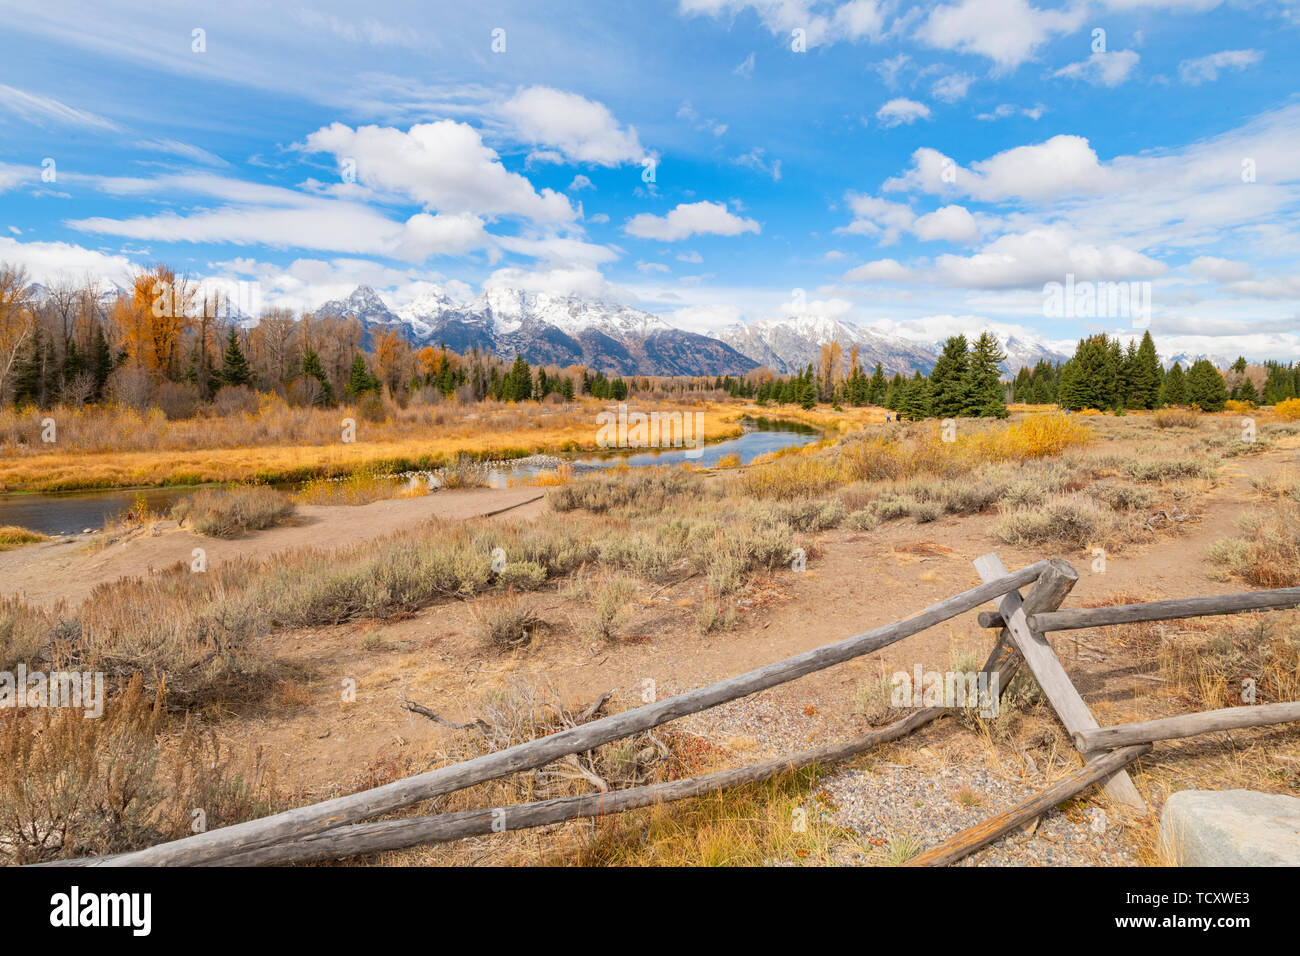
{"x": 548, "y": 329}
{"x": 790, "y": 344}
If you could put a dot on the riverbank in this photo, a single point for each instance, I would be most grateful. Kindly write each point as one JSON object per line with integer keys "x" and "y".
{"x": 154, "y": 454}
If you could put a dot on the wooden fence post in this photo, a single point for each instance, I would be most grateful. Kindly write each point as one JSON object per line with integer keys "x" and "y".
{"x": 1049, "y": 673}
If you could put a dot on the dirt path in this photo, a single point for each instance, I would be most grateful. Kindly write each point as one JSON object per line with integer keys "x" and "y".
{"x": 69, "y": 568}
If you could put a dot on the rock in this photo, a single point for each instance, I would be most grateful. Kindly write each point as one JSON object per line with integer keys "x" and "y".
{"x": 1231, "y": 828}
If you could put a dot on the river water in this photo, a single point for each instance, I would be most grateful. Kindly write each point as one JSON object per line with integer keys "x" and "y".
{"x": 73, "y": 512}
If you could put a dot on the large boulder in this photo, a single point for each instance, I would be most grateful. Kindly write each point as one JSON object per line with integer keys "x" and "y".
{"x": 1231, "y": 828}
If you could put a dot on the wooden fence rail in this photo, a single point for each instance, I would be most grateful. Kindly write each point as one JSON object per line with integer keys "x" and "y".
{"x": 305, "y": 821}
{"x": 335, "y": 828}
{"x": 1047, "y": 621}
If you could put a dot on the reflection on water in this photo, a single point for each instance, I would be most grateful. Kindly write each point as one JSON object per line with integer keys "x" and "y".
{"x": 75, "y": 512}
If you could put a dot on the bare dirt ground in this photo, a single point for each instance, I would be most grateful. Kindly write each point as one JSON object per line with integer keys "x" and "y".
{"x": 854, "y": 582}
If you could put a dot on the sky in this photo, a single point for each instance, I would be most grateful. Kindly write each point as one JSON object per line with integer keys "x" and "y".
{"x": 924, "y": 169}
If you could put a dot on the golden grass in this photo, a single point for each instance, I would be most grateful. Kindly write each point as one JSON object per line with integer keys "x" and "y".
{"x": 13, "y": 537}
{"x": 918, "y": 450}
{"x": 114, "y": 448}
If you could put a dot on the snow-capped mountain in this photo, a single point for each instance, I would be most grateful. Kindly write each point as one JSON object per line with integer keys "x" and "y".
{"x": 789, "y": 345}
{"x": 1026, "y": 353}
{"x": 546, "y": 329}
{"x": 1186, "y": 360}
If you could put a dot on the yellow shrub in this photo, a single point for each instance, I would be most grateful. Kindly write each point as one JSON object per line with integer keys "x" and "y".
{"x": 1289, "y": 410}
{"x": 1233, "y": 405}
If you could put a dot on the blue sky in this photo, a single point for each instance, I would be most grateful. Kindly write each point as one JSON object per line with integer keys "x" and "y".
{"x": 922, "y": 168}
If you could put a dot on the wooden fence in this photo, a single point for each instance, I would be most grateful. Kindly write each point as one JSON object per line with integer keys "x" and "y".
{"x": 336, "y": 828}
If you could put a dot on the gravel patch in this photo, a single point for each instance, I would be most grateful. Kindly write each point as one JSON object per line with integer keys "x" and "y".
{"x": 891, "y": 804}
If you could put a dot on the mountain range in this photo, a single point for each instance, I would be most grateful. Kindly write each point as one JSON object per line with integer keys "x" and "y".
{"x": 618, "y": 339}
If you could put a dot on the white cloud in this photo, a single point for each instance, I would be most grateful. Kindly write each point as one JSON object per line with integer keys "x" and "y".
{"x": 878, "y": 217}
{"x": 953, "y": 223}
{"x": 650, "y": 268}
{"x": 1206, "y": 69}
{"x": 183, "y": 150}
{"x": 756, "y": 159}
{"x": 1019, "y": 260}
{"x": 902, "y": 110}
{"x": 1102, "y": 69}
{"x": 1222, "y": 270}
{"x": 882, "y": 270}
{"x": 48, "y": 261}
{"x": 952, "y": 88}
{"x": 588, "y": 283}
{"x": 692, "y": 256}
{"x": 443, "y": 166}
{"x": 580, "y": 182}
{"x": 43, "y": 109}
{"x": 582, "y": 130}
{"x": 690, "y": 219}
{"x": 854, "y": 20}
{"x": 1008, "y": 32}
{"x": 746, "y": 67}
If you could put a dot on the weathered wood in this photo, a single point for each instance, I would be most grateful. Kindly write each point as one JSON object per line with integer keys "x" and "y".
{"x": 1047, "y": 594}
{"x": 968, "y": 841}
{"x": 1047, "y": 669}
{"x": 1073, "y": 620}
{"x": 304, "y": 821}
{"x": 399, "y": 834}
{"x": 1187, "y": 725}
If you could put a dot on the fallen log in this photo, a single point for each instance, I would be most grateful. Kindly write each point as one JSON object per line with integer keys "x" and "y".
{"x": 1187, "y": 725}
{"x": 968, "y": 841}
{"x": 1074, "y": 620}
{"x": 304, "y": 821}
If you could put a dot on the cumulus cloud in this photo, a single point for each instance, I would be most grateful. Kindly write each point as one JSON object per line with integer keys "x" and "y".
{"x": 954, "y": 223}
{"x": 901, "y": 110}
{"x": 443, "y": 166}
{"x": 690, "y": 219}
{"x": 1008, "y": 32}
{"x": 1020, "y": 260}
{"x": 47, "y": 261}
{"x": 579, "y": 129}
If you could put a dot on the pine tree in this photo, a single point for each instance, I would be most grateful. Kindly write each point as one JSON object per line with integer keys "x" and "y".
{"x": 1144, "y": 376}
{"x": 234, "y": 366}
{"x": 101, "y": 361}
{"x": 1175, "y": 387}
{"x": 1247, "y": 392}
{"x": 986, "y": 397}
{"x": 311, "y": 368}
{"x": 360, "y": 380}
{"x": 950, "y": 383}
{"x": 1205, "y": 387}
{"x": 878, "y": 387}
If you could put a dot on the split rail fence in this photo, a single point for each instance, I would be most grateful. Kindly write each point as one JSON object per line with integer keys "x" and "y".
{"x": 336, "y": 828}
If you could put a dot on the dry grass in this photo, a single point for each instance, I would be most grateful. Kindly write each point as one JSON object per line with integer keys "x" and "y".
{"x": 13, "y": 537}
{"x": 230, "y": 512}
{"x": 1268, "y": 553}
{"x": 914, "y": 450}
{"x": 1176, "y": 418}
{"x": 110, "y": 446}
{"x": 78, "y": 786}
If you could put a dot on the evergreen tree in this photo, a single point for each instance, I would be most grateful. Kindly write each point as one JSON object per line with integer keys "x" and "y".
{"x": 915, "y": 400}
{"x": 985, "y": 395}
{"x": 101, "y": 361}
{"x": 360, "y": 380}
{"x": 311, "y": 368}
{"x": 878, "y": 387}
{"x": 1205, "y": 386}
{"x": 1175, "y": 387}
{"x": 950, "y": 383}
{"x": 234, "y": 366}
{"x": 1144, "y": 376}
{"x": 1247, "y": 392}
